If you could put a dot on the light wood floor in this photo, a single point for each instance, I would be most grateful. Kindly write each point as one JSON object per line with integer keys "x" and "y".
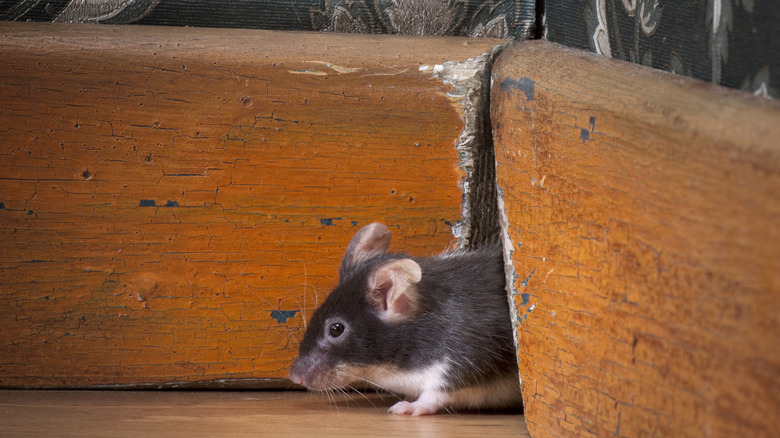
{"x": 230, "y": 414}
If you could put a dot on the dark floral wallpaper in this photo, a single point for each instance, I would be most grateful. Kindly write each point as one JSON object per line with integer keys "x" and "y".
{"x": 475, "y": 18}
{"x": 735, "y": 43}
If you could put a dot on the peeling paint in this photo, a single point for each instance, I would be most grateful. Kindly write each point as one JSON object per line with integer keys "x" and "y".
{"x": 281, "y": 316}
{"x": 524, "y": 283}
{"x": 328, "y": 222}
{"x": 524, "y": 85}
{"x": 153, "y": 203}
{"x": 509, "y": 268}
{"x": 456, "y": 228}
{"x": 585, "y": 132}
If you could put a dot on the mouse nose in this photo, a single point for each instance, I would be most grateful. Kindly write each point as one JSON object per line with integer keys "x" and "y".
{"x": 295, "y": 378}
{"x": 297, "y": 373}
{"x": 294, "y": 375}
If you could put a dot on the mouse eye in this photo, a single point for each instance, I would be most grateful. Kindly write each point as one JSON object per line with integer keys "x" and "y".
{"x": 336, "y": 329}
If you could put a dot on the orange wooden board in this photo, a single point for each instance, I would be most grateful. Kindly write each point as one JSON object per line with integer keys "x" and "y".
{"x": 642, "y": 211}
{"x": 174, "y": 202}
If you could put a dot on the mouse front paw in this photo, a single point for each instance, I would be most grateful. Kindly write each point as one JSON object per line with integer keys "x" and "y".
{"x": 414, "y": 409}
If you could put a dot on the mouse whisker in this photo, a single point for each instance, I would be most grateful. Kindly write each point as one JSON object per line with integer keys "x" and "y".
{"x": 331, "y": 397}
{"x": 348, "y": 396}
{"x": 375, "y": 384}
{"x": 336, "y": 392}
{"x": 362, "y": 395}
{"x": 343, "y": 393}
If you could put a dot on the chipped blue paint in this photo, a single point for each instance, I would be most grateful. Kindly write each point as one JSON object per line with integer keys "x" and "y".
{"x": 525, "y": 297}
{"x": 585, "y": 133}
{"x": 2, "y": 206}
{"x": 524, "y": 84}
{"x": 354, "y": 223}
{"x": 147, "y": 203}
{"x": 172, "y": 204}
{"x": 527, "y": 279}
{"x": 282, "y": 316}
{"x": 328, "y": 221}
{"x": 456, "y": 228}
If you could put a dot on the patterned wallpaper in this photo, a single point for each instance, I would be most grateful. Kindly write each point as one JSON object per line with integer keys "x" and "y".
{"x": 735, "y": 43}
{"x": 475, "y": 18}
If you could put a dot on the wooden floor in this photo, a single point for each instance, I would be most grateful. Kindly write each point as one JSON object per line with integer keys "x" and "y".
{"x": 229, "y": 414}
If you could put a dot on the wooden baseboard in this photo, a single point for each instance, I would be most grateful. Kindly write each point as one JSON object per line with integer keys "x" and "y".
{"x": 175, "y": 202}
{"x": 643, "y": 218}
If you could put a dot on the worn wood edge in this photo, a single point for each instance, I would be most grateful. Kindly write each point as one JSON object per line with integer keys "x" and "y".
{"x": 749, "y": 130}
{"x": 451, "y": 62}
{"x": 749, "y": 122}
{"x": 402, "y": 52}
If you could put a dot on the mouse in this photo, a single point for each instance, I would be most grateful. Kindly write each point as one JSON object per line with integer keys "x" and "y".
{"x": 434, "y": 330}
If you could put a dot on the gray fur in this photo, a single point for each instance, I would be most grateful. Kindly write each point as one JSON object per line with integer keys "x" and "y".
{"x": 463, "y": 318}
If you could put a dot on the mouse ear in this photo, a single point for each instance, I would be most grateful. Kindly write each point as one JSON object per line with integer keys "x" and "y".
{"x": 392, "y": 292}
{"x": 370, "y": 241}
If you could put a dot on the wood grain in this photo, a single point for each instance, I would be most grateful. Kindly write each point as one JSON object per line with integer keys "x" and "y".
{"x": 234, "y": 414}
{"x": 174, "y": 202}
{"x": 643, "y": 214}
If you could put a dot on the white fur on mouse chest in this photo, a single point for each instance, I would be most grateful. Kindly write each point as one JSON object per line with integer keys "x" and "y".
{"x": 411, "y": 383}
{"x": 428, "y": 386}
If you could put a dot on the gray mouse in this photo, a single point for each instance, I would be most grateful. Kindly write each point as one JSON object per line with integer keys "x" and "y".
{"x": 434, "y": 329}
